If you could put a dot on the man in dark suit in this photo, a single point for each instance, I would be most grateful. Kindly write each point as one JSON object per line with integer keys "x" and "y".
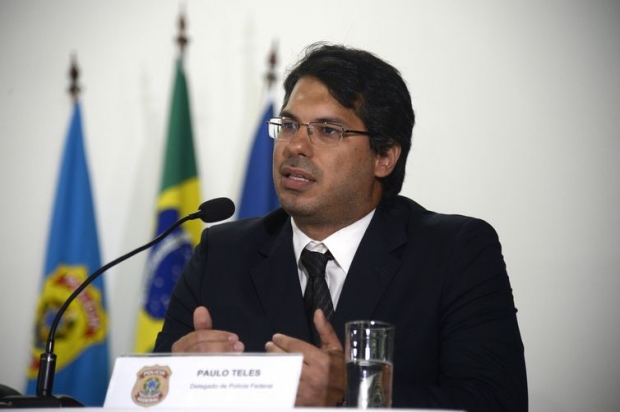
{"x": 341, "y": 144}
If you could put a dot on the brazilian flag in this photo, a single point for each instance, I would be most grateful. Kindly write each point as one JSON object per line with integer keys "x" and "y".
{"x": 179, "y": 195}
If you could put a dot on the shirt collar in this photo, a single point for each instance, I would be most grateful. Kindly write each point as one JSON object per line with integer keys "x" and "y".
{"x": 342, "y": 244}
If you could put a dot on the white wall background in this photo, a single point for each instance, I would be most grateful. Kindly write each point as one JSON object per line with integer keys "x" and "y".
{"x": 518, "y": 123}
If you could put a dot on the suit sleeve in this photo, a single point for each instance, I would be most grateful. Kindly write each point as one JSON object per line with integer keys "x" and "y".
{"x": 179, "y": 319}
{"x": 482, "y": 366}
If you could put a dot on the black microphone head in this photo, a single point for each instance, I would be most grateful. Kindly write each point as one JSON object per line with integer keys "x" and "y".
{"x": 215, "y": 210}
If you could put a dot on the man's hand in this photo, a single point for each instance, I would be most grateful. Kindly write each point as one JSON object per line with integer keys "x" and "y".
{"x": 205, "y": 339}
{"x": 322, "y": 379}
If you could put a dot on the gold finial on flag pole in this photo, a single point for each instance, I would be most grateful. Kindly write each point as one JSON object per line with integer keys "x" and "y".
{"x": 74, "y": 74}
{"x": 272, "y": 60}
{"x": 182, "y": 39}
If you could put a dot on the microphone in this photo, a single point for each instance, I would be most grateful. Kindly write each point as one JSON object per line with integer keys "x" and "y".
{"x": 213, "y": 210}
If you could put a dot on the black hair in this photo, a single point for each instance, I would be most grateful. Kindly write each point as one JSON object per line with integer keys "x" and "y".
{"x": 373, "y": 88}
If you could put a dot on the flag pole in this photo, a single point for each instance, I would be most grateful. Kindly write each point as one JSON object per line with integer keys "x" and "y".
{"x": 47, "y": 365}
{"x": 74, "y": 75}
{"x": 182, "y": 39}
{"x": 178, "y": 195}
{"x": 272, "y": 60}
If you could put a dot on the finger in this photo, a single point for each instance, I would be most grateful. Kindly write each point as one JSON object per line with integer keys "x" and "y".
{"x": 329, "y": 339}
{"x": 208, "y": 341}
{"x": 215, "y": 347}
{"x": 202, "y": 319}
{"x": 271, "y": 347}
{"x": 291, "y": 345}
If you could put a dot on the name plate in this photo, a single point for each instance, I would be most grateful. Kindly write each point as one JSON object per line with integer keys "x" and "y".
{"x": 205, "y": 381}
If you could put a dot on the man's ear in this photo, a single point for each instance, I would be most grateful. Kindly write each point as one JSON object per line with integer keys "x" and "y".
{"x": 385, "y": 163}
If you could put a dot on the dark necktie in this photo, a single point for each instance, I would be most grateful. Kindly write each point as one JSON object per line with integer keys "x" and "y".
{"x": 316, "y": 295}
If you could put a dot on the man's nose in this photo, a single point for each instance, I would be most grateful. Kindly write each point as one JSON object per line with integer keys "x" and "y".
{"x": 301, "y": 142}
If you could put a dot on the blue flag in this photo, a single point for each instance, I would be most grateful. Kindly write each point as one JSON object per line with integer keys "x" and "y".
{"x": 72, "y": 254}
{"x": 259, "y": 194}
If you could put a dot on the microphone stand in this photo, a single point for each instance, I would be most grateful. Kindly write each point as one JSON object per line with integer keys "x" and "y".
{"x": 47, "y": 366}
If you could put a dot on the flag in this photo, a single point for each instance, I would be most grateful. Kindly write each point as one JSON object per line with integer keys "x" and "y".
{"x": 259, "y": 194}
{"x": 72, "y": 254}
{"x": 178, "y": 196}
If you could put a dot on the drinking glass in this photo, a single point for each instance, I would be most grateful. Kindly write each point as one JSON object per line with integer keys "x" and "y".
{"x": 369, "y": 347}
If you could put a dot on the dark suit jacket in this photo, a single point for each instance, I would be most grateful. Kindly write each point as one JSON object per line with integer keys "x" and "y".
{"x": 440, "y": 279}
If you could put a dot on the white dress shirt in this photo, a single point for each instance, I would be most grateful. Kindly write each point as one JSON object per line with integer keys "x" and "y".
{"x": 342, "y": 244}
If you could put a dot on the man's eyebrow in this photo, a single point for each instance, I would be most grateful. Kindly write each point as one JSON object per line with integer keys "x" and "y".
{"x": 335, "y": 120}
{"x": 288, "y": 115}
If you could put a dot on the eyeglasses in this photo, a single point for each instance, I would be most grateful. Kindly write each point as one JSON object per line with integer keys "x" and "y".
{"x": 320, "y": 133}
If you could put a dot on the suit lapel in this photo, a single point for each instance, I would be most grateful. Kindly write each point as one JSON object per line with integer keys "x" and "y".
{"x": 372, "y": 269}
{"x": 277, "y": 285}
